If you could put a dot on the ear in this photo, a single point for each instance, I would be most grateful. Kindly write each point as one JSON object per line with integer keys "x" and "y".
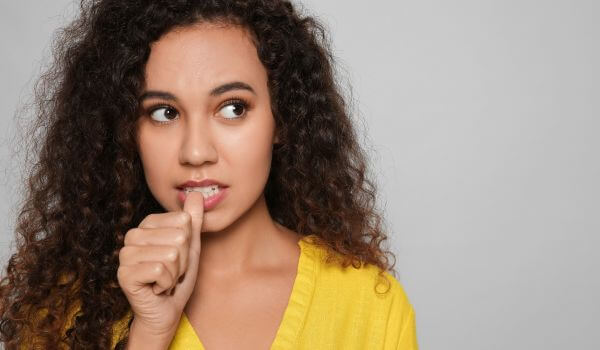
{"x": 276, "y": 139}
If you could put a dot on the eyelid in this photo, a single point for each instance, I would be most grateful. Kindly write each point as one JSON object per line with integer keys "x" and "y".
{"x": 154, "y": 107}
{"x": 234, "y": 100}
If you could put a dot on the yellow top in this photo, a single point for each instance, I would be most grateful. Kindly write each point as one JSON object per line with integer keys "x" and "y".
{"x": 333, "y": 308}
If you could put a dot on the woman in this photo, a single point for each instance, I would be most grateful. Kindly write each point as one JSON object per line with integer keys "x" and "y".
{"x": 199, "y": 185}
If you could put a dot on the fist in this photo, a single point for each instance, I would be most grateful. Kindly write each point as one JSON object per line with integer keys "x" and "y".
{"x": 158, "y": 266}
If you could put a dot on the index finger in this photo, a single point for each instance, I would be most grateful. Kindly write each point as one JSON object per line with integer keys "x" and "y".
{"x": 162, "y": 220}
{"x": 194, "y": 206}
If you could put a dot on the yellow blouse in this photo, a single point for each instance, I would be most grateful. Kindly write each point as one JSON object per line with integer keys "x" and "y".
{"x": 333, "y": 308}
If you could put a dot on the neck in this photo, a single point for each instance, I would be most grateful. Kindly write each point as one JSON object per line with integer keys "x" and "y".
{"x": 254, "y": 241}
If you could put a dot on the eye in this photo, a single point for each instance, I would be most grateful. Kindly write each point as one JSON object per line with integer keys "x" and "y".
{"x": 234, "y": 109}
{"x": 167, "y": 112}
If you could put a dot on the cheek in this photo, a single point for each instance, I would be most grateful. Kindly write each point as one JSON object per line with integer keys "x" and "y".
{"x": 250, "y": 170}
{"x": 153, "y": 153}
{"x": 252, "y": 151}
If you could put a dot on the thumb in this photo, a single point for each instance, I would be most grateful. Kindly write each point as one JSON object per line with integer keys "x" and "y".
{"x": 194, "y": 205}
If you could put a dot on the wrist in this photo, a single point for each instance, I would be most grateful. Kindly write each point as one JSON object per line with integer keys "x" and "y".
{"x": 143, "y": 338}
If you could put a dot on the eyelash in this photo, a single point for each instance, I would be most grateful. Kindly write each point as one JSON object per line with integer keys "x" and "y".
{"x": 231, "y": 101}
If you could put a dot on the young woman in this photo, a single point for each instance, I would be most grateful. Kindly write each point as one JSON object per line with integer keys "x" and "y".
{"x": 199, "y": 185}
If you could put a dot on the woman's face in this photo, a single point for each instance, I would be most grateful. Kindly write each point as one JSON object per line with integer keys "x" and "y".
{"x": 206, "y": 115}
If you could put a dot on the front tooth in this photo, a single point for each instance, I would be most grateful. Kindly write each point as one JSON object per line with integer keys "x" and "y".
{"x": 206, "y": 191}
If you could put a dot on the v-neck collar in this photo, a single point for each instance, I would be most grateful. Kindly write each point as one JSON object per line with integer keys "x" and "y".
{"x": 293, "y": 316}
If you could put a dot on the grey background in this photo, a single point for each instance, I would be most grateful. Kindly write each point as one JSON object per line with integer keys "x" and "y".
{"x": 482, "y": 118}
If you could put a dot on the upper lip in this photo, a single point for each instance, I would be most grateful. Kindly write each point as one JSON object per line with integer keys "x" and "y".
{"x": 203, "y": 183}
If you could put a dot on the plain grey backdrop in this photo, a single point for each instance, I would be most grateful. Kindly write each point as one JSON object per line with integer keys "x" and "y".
{"x": 483, "y": 121}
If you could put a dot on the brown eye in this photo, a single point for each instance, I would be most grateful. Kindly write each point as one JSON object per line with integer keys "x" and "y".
{"x": 233, "y": 110}
{"x": 162, "y": 113}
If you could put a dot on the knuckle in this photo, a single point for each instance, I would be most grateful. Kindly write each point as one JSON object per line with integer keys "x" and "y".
{"x": 181, "y": 237}
{"x": 172, "y": 254}
{"x": 148, "y": 220}
{"x": 123, "y": 254}
{"x": 158, "y": 269}
{"x": 132, "y": 236}
{"x": 185, "y": 217}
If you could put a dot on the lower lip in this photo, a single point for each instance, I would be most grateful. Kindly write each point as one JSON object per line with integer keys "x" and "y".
{"x": 209, "y": 202}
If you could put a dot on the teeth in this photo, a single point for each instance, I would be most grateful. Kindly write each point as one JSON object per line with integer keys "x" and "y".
{"x": 206, "y": 191}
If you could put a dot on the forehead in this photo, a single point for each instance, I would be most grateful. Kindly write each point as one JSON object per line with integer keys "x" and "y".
{"x": 203, "y": 55}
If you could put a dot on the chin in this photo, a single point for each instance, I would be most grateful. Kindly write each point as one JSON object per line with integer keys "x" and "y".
{"x": 209, "y": 228}
{"x": 214, "y": 222}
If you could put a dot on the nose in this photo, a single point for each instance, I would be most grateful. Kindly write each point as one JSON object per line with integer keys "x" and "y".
{"x": 197, "y": 146}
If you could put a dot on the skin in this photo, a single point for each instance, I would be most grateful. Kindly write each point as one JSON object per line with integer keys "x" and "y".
{"x": 226, "y": 265}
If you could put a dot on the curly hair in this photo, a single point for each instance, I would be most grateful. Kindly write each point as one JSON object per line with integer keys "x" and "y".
{"x": 86, "y": 188}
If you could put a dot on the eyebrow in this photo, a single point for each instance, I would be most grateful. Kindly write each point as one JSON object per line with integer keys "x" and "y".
{"x": 219, "y": 90}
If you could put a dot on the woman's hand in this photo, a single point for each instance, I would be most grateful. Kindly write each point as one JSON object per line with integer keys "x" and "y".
{"x": 158, "y": 266}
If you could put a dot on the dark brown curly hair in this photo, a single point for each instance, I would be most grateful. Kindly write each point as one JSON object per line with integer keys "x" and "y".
{"x": 86, "y": 186}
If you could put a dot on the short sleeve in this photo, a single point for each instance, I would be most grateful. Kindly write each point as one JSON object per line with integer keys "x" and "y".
{"x": 401, "y": 332}
{"x": 408, "y": 335}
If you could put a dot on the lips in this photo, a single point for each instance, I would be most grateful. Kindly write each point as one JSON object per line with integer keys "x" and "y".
{"x": 210, "y": 202}
{"x": 203, "y": 183}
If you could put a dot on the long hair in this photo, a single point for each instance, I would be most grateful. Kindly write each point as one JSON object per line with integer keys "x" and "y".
{"x": 86, "y": 188}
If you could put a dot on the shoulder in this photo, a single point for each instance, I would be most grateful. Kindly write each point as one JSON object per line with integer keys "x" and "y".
{"x": 366, "y": 299}
{"x": 367, "y": 284}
